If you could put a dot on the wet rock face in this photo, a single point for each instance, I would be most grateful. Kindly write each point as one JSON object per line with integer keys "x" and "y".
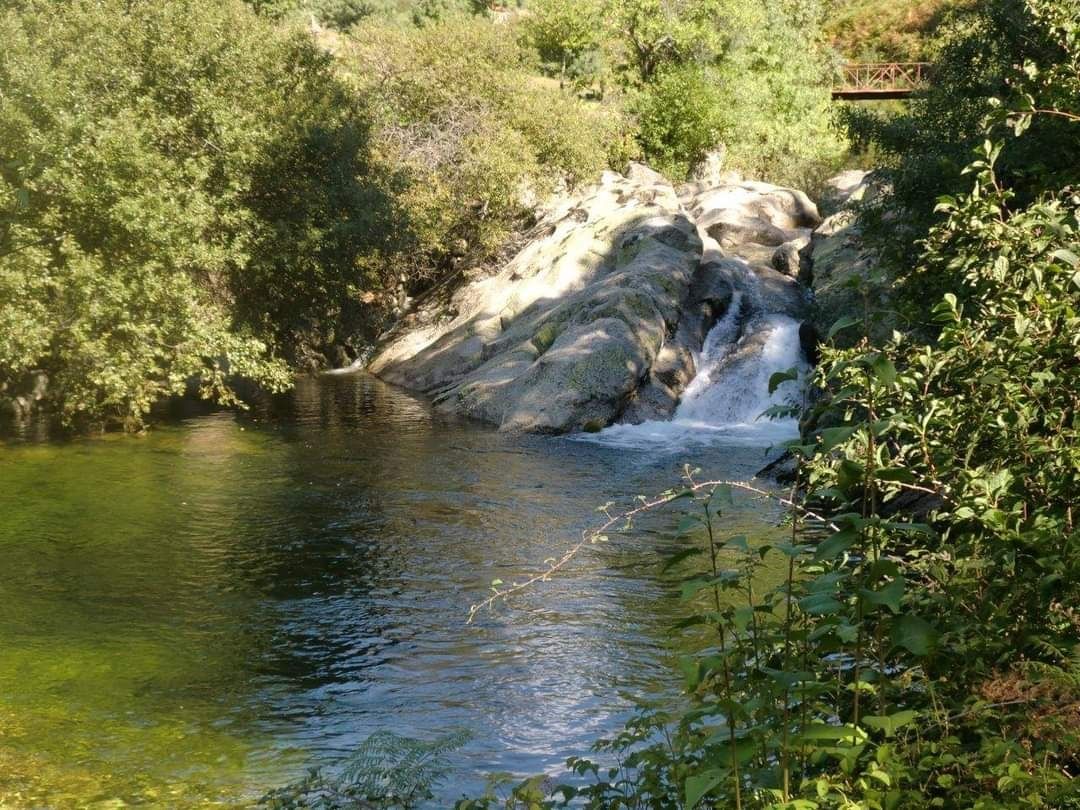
{"x": 844, "y": 265}
{"x": 599, "y": 317}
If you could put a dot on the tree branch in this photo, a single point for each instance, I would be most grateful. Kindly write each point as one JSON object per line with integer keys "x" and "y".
{"x": 592, "y": 536}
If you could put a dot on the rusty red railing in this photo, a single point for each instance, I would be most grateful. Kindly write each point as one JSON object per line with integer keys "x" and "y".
{"x": 881, "y": 80}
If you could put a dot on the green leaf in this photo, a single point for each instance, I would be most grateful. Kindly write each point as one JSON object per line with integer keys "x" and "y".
{"x": 891, "y": 723}
{"x": 820, "y": 731}
{"x": 679, "y": 557}
{"x": 847, "y": 633}
{"x": 693, "y": 587}
{"x": 697, "y": 786}
{"x": 739, "y": 543}
{"x": 914, "y": 635}
{"x": 833, "y": 546}
{"x": 1067, "y": 256}
{"x": 778, "y": 378}
{"x": 740, "y": 619}
{"x": 884, "y": 369}
{"x": 687, "y": 523}
{"x": 849, "y": 473}
{"x": 831, "y": 437}
{"x": 819, "y": 604}
{"x": 692, "y": 671}
{"x": 841, "y": 324}
{"x": 889, "y": 596}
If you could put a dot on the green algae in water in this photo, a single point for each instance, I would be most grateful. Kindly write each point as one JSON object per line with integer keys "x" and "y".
{"x": 192, "y": 617}
{"x": 111, "y": 674}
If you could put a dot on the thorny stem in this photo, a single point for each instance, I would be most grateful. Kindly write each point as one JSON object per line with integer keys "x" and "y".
{"x": 723, "y": 656}
{"x": 592, "y": 536}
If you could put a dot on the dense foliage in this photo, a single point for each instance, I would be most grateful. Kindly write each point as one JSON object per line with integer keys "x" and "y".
{"x": 183, "y": 197}
{"x": 474, "y": 140}
{"x": 343, "y": 14}
{"x": 698, "y": 74}
{"x": 194, "y": 193}
{"x": 887, "y": 30}
{"x": 988, "y": 51}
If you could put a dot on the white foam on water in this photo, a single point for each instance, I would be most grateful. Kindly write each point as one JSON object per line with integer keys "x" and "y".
{"x": 725, "y": 401}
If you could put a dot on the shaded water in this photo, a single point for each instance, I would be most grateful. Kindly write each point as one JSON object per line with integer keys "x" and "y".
{"x": 200, "y": 613}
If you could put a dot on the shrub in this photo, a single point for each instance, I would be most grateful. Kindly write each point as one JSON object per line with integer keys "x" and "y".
{"x": 680, "y": 118}
{"x": 469, "y": 134}
{"x": 776, "y": 94}
{"x": 184, "y": 198}
{"x": 340, "y": 14}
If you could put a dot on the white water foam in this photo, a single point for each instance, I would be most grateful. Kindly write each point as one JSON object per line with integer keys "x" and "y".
{"x": 725, "y": 401}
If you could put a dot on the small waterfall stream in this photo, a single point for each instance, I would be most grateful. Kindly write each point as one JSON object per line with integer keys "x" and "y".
{"x": 725, "y": 401}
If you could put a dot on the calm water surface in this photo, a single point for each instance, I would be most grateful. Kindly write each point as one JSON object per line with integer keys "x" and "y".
{"x": 201, "y": 613}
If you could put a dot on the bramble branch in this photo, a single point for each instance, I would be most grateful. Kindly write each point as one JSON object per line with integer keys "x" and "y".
{"x": 596, "y": 534}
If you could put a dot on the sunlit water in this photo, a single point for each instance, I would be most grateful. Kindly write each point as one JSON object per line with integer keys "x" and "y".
{"x": 201, "y": 613}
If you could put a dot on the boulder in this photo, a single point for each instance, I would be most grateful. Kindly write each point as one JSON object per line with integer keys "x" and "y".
{"x": 845, "y": 188}
{"x": 844, "y": 265}
{"x": 793, "y": 259}
{"x": 565, "y": 333}
{"x": 600, "y": 316}
{"x": 709, "y": 171}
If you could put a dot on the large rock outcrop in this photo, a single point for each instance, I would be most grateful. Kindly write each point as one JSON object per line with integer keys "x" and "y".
{"x": 600, "y": 316}
{"x": 845, "y": 267}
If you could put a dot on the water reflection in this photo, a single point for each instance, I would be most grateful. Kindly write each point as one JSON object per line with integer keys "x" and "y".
{"x": 198, "y": 613}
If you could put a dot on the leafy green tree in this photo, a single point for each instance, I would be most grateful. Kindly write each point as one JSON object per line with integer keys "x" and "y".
{"x": 680, "y": 117}
{"x": 752, "y": 76}
{"x": 429, "y": 12}
{"x": 655, "y": 33}
{"x": 183, "y": 201}
{"x": 563, "y": 32}
{"x": 775, "y": 93}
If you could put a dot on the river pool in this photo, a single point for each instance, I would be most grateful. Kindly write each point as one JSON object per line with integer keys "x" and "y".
{"x": 201, "y": 613}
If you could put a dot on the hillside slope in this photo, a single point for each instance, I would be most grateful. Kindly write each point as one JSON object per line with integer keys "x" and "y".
{"x": 872, "y": 30}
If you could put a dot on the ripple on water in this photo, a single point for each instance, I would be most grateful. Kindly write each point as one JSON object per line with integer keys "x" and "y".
{"x": 200, "y": 613}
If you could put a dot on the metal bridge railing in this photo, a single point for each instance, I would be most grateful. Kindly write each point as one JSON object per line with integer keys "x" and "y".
{"x": 869, "y": 80}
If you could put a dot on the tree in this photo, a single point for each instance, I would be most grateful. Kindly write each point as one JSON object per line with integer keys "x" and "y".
{"x": 564, "y": 31}
{"x": 752, "y": 76}
{"x": 654, "y": 33}
{"x": 988, "y": 51}
{"x": 185, "y": 199}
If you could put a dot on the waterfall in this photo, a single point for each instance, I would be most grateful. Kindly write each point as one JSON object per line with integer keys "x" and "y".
{"x": 725, "y": 400}
{"x": 732, "y": 390}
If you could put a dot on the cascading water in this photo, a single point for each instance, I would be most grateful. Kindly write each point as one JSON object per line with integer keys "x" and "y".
{"x": 730, "y": 390}
{"x": 725, "y": 401}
